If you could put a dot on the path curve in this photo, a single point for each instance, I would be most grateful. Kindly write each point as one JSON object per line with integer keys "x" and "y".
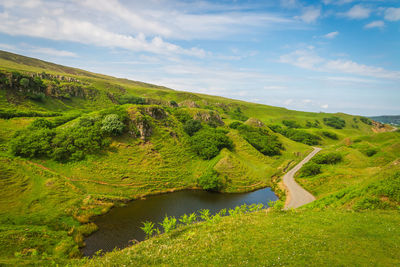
{"x": 297, "y": 195}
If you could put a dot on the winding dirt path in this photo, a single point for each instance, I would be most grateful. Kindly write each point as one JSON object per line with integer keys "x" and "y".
{"x": 297, "y": 195}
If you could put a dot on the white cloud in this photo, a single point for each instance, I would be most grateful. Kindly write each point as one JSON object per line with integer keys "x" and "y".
{"x": 150, "y": 26}
{"x": 325, "y": 106}
{"x": 337, "y": 2}
{"x": 392, "y": 14}
{"x": 88, "y": 33}
{"x": 53, "y": 52}
{"x": 331, "y": 35}
{"x": 305, "y": 59}
{"x": 290, "y": 3}
{"x": 375, "y": 24}
{"x": 358, "y": 12}
{"x": 308, "y": 59}
{"x": 310, "y": 14}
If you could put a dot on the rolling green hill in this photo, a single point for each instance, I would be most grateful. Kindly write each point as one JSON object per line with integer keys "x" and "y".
{"x": 73, "y": 144}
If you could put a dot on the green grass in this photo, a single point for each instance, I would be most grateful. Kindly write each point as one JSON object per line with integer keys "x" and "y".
{"x": 356, "y": 171}
{"x": 46, "y": 206}
{"x": 282, "y": 239}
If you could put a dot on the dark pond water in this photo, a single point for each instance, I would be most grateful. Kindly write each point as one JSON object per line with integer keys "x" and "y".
{"x": 120, "y": 225}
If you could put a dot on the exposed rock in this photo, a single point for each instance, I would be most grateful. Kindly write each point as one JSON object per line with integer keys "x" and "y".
{"x": 48, "y": 76}
{"x": 189, "y": 104}
{"x": 209, "y": 116}
{"x": 140, "y": 124}
{"x": 254, "y": 122}
{"x": 155, "y": 112}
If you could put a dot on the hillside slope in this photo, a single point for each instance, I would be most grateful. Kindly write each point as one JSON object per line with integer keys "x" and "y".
{"x": 73, "y": 144}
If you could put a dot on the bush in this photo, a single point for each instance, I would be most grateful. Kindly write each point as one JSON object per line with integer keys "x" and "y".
{"x": 370, "y": 152}
{"x": 210, "y": 181}
{"x": 41, "y": 124}
{"x": 32, "y": 143}
{"x": 261, "y": 140}
{"x": 335, "y": 122}
{"x": 314, "y": 124}
{"x": 330, "y": 135}
{"x": 235, "y": 125}
{"x": 296, "y": 135}
{"x": 208, "y": 142}
{"x": 112, "y": 125}
{"x": 130, "y": 99}
{"x": 169, "y": 224}
{"x": 192, "y": 126}
{"x": 24, "y": 82}
{"x": 329, "y": 158}
{"x": 302, "y": 136}
{"x": 291, "y": 124}
{"x": 310, "y": 169}
{"x": 12, "y": 113}
{"x": 366, "y": 120}
{"x": 182, "y": 115}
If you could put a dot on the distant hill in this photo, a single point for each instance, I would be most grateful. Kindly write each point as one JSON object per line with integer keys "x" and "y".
{"x": 394, "y": 119}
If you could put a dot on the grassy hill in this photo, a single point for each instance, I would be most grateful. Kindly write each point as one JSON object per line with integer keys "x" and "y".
{"x": 73, "y": 144}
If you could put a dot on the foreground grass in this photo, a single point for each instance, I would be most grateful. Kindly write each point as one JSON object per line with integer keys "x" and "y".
{"x": 285, "y": 238}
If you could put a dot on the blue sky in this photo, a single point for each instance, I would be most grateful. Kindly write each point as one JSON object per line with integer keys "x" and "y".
{"x": 330, "y": 56}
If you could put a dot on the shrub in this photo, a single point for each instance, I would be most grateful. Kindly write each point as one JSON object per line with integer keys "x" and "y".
{"x": 314, "y": 124}
{"x": 302, "y": 136}
{"x": 148, "y": 229}
{"x": 208, "y": 142}
{"x": 130, "y": 99}
{"x": 370, "y": 152}
{"x": 205, "y": 214}
{"x": 24, "y": 82}
{"x": 112, "y": 125}
{"x": 291, "y": 124}
{"x": 330, "y": 135}
{"x": 12, "y": 113}
{"x": 310, "y": 169}
{"x": 335, "y": 122}
{"x": 75, "y": 142}
{"x": 173, "y": 103}
{"x": 296, "y": 135}
{"x": 210, "y": 181}
{"x": 187, "y": 220}
{"x": 192, "y": 126}
{"x": 41, "y": 124}
{"x": 235, "y": 125}
{"x": 366, "y": 120}
{"x": 261, "y": 140}
{"x": 168, "y": 224}
{"x": 182, "y": 115}
{"x": 329, "y": 158}
{"x": 30, "y": 144}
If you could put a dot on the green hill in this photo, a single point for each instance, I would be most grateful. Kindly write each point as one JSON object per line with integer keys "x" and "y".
{"x": 73, "y": 144}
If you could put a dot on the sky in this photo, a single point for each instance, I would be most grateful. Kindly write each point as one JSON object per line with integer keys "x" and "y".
{"x": 319, "y": 56}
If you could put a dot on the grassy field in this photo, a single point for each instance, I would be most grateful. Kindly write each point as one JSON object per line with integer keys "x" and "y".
{"x": 46, "y": 205}
{"x": 273, "y": 239}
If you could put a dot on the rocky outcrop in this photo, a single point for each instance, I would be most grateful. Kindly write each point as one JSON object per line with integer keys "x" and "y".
{"x": 139, "y": 124}
{"x": 254, "y": 122}
{"x": 189, "y": 104}
{"x": 156, "y": 112}
{"x": 48, "y": 76}
{"x": 209, "y": 117}
{"x": 70, "y": 90}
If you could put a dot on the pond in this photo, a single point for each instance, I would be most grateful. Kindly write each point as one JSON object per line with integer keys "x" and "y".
{"x": 122, "y": 224}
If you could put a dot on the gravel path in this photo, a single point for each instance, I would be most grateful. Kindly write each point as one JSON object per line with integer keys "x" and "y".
{"x": 297, "y": 195}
